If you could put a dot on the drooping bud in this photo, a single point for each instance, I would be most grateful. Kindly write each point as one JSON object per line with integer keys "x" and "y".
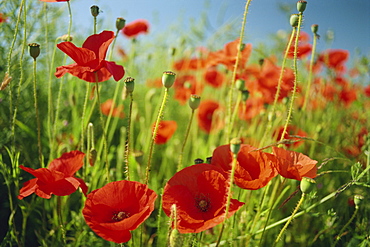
{"x": 294, "y": 20}
{"x": 307, "y": 185}
{"x": 120, "y": 23}
{"x": 235, "y": 144}
{"x": 130, "y": 84}
{"x": 314, "y": 28}
{"x": 301, "y": 6}
{"x": 245, "y": 95}
{"x": 209, "y": 160}
{"x": 358, "y": 200}
{"x": 34, "y": 50}
{"x": 261, "y": 61}
{"x": 168, "y": 78}
{"x": 240, "y": 84}
{"x": 194, "y": 101}
{"x": 94, "y": 10}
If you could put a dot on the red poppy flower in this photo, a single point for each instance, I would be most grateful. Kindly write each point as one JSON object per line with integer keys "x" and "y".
{"x": 254, "y": 169}
{"x": 184, "y": 86}
{"x": 199, "y": 193}
{"x": 118, "y": 208}
{"x": 57, "y": 179}
{"x": 348, "y": 95}
{"x": 108, "y": 105}
{"x": 304, "y": 48}
{"x": 367, "y": 90}
{"x": 213, "y": 77}
{"x": 91, "y": 65}
{"x": 165, "y": 131}
{"x": 334, "y": 58}
{"x": 291, "y": 130}
{"x": 227, "y": 56}
{"x": 208, "y": 119}
{"x": 136, "y": 27}
{"x": 294, "y": 165}
{"x": 189, "y": 64}
{"x": 252, "y": 107}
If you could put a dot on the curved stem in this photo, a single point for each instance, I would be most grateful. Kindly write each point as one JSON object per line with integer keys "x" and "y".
{"x": 179, "y": 166}
{"x": 345, "y": 226}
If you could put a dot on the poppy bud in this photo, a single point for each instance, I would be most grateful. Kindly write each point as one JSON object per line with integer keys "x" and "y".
{"x": 245, "y": 95}
{"x": 176, "y": 238}
{"x": 307, "y": 185}
{"x": 198, "y": 161}
{"x": 261, "y": 61}
{"x": 138, "y": 157}
{"x": 240, "y": 84}
{"x": 120, "y": 23}
{"x": 209, "y": 160}
{"x": 34, "y": 50}
{"x": 301, "y": 6}
{"x": 130, "y": 84}
{"x": 168, "y": 78}
{"x": 6, "y": 81}
{"x": 94, "y": 10}
{"x": 194, "y": 101}
{"x": 92, "y": 156}
{"x": 66, "y": 37}
{"x": 314, "y": 28}
{"x": 235, "y": 145}
{"x": 358, "y": 199}
{"x": 294, "y": 20}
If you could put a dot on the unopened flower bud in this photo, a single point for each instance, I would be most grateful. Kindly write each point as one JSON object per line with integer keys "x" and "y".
{"x": 130, "y": 84}
{"x": 92, "y": 156}
{"x": 94, "y": 10}
{"x": 7, "y": 79}
{"x": 209, "y": 160}
{"x": 120, "y": 23}
{"x": 261, "y": 61}
{"x": 301, "y": 6}
{"x": 240, "y": 84}
{"x": 194, "y": 101}
{"x": 358, "y": 199}
{"x": 34, "y": 50}
{"x": 198, "y": 161}
{"x": 245, "y": 95}
{"x": 235, "y": 144}
{"x": 307, "y": 185}
{"x": 66, "y": 37}
{"x": 294, "y": 20}
{"x": 176, "y": 239}
{"x": 168, "y": 78}
{"x": 314, "y": 28}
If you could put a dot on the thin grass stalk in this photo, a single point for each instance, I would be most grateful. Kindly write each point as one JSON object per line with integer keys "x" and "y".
{"x": 231, "y": 88}
{"x": 154, "y": 134}
{"x": 308, "y": 88}
{"x": 278, "y": 88}
{"x": 24, "y": 44}
{"x": 179, "y": 166}
{"x": 128, "y": 135}
{"x": 228, "y": 200}
{"x": 345, "y": 226}
{"x": 37, "y": 112}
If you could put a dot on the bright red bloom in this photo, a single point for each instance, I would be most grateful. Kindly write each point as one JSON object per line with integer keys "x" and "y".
{"x": 334, "y": 59}
{"x": 367, "y": 90}
{"x": 208, "y": 119}
{"x": 57, "y": 179}
{"x": 165, "y": 131}
{"x": 108, "y": 105}
{"x": 213, "y": 77}
{"x": 304, "y": 48}
{"x": 199, "y": 193}
{"x": 91, "y": 65}
{"x": 227, "y": 56}
{"x": 294, "y": 165}
{"x": 251, "y": 108}
{"x": 189, "y": 64}
{"x": 254, "y": 169}
{"x": 348, "y": 95}
{"x": 136, "y": 27}
{"x": 184, "y": 86}
{"x": 118, "y": 208}
{"x": 291, "y": 130}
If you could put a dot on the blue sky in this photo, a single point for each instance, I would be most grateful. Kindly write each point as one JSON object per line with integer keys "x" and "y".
{"x": 348, "y": 19}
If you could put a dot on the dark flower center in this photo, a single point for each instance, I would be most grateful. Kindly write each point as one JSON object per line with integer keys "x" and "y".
{"x": 120, "y": 216}
{"x": 203, "y": 203}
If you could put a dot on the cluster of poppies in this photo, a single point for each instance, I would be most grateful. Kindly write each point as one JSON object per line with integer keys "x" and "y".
{"x": 199, "y": 192}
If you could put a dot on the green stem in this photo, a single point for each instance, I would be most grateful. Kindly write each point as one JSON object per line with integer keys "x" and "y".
{"x": 295, "y": 70}
{"x": 289, "y": 220}
{"x": 60, "y": 216}
{"x": 128, "y": 133}
{"x": 233, "y": 167}
{"x": 37, "y": 112}
{"x": 179, "y": 166}
{"x": 154, "y": 135}
{"x": 70, "y": 21}
{"x": 231, "y": 88}
{"x": 315, "y": 36}
{"x": 238, "y": 100}
{"x": 345, "y": 226}
{"x": 94, "y": 24}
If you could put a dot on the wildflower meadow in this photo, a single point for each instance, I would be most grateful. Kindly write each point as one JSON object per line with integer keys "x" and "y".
{"x": 181, "y": 142}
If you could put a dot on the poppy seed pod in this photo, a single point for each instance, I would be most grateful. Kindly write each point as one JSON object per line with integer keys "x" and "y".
{"x": 94, "y": 10}
{"x": 34, "y": 50}
{"x": 168, "y": 78}
{"x": 294, "y": 20}
{"x": 307, "y": 185}
{"x": 314, "y": 28}
{"x": 194, "y": 101}
{"x": 240, "y": 84}
{"x": 130, "y": 84}
{"x": 358, "y": 199}
{"x": 120, "y": 23}
{"x": 301, "y": 6}
{"x": 235, "y": 145}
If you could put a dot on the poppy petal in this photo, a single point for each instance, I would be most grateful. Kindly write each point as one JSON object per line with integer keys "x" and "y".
{"x": 116, "y": 70}
{"x": 80, "y": 55}
{"x": 99, "y": 43}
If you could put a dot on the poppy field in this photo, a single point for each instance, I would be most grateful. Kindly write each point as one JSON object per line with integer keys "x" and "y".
{"x": 178, "y": 142}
